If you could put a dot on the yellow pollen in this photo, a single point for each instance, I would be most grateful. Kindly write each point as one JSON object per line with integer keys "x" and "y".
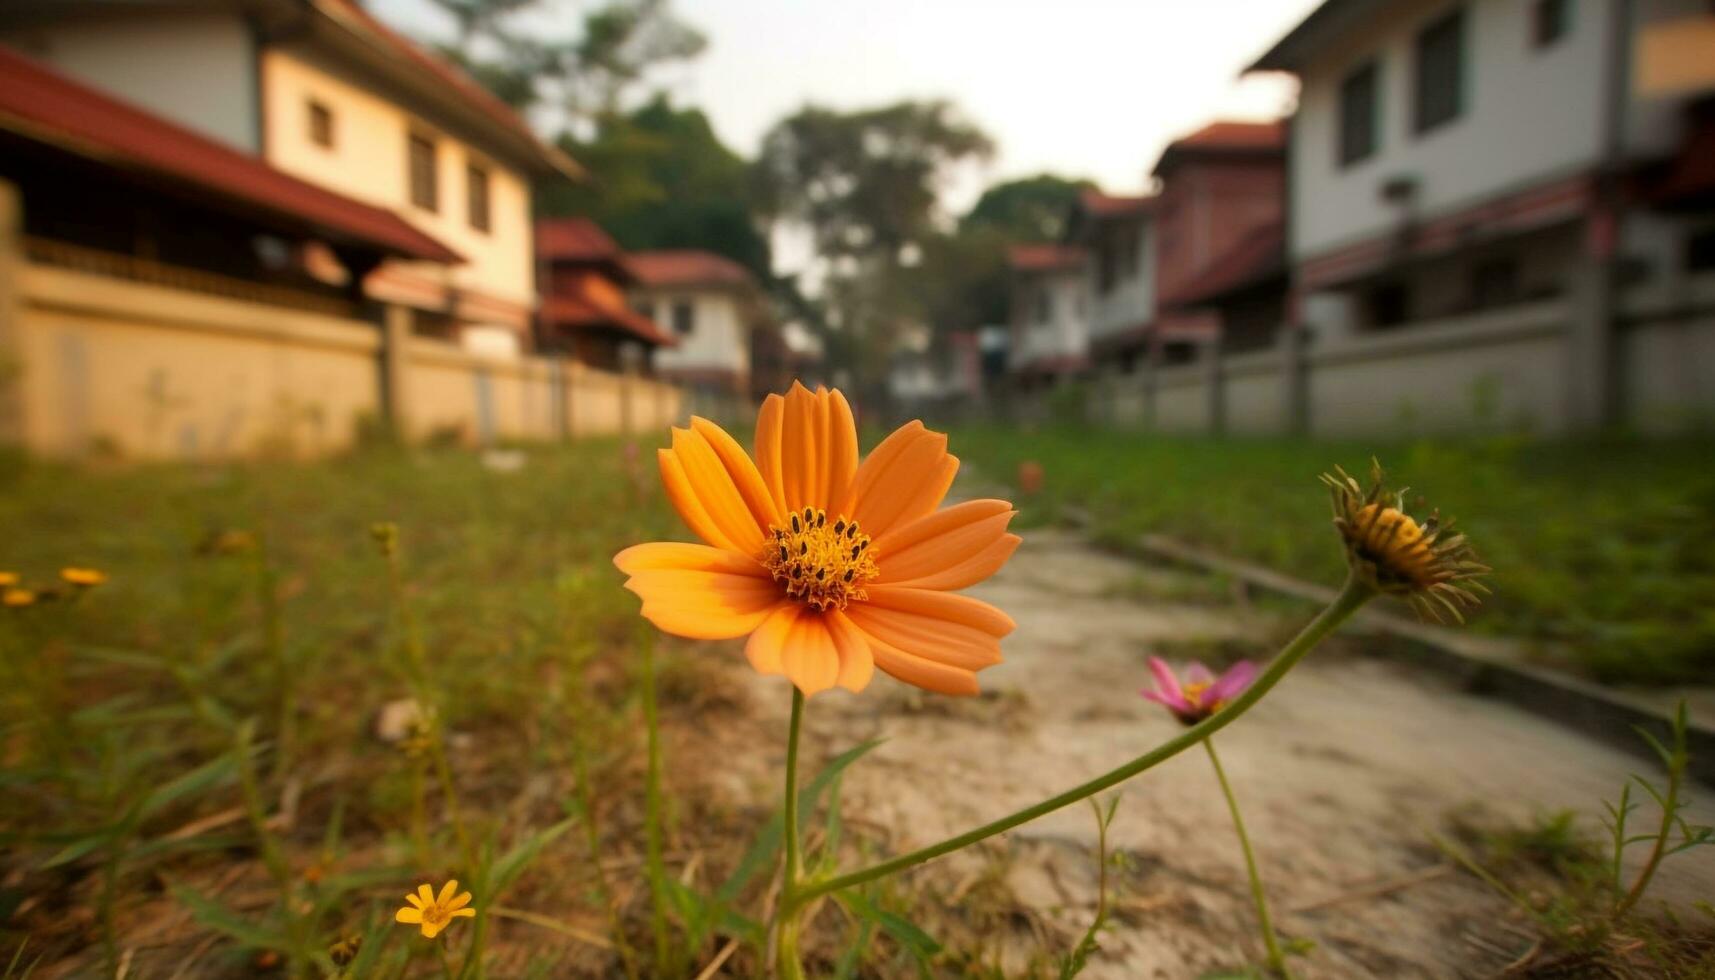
{"x": 822, "y": 563}
{"x": 1395, "y": 543}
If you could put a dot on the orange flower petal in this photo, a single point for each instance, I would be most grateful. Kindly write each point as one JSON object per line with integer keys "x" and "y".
{"x": 743, "y": 472}
{"x": 448, "y": 890}
{"x": 770, "y": 423}
{"x": 951, "y": 629}
{"x": 414, "y": 900}
{"x": 685, "y": 500}
{"x": 957, "y": 543}
{"x": 857, "y": 665}
{"x": 809, "y": 657}
{"x": 715, "y": 488}
{"x": 920, "y": 671}
{"x": 765, "y": 646}
{"x": 426, "y": 893}
{"x": 461, "y": 913}
{"x": 459, "y": 902}
{"x": 947, "y": 519}
{"x": 433, "y": 929}
{"x": 839, "y": 450}
{"x": 687, "y": 558}
{"x": 411, "y": 916}
{"x": 704, "y": 605}
{"x": 972, "y": 570}
{"x": 903, "y": 479}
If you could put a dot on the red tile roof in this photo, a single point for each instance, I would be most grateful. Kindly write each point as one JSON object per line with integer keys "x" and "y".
{"x": 687, "y": 267}
{"x": 1256, "y": 259}
{"x": 1226, "y": 138}
{"x": 581, "y": 311}
{"x": 352, "y": 15}
{"x": 1098, "y": 205}
{"x": 1044, "y": 258}
{"x": 574, "y": 240}
{"x": 45, "y": 107}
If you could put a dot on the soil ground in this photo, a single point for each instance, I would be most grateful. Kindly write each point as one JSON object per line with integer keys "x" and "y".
{"x": 1344, "y": 772}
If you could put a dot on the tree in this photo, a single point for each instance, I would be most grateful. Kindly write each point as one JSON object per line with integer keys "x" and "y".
{"x": 1031, "y": 209}
{"x": 661, "y": 178}
{"x": 867, "y": 186}
{"x": 586, "y": 76}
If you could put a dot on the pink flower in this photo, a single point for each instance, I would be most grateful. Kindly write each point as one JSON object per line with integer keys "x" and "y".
{"x": 1202, "y": 694}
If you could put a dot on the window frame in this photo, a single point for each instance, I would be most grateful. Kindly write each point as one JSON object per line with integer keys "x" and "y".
{"x": 1562, "y": 23}
{"x": 1426, "y": 118}
{"x": 683, "y": 316}
{"x": 1342, "y": 155}
{"x": 426, "y": 195}
{"x": 477, "y": 174}
{"x": 319, "y": 120}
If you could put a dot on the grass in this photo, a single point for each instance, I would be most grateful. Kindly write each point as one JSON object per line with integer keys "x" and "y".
{"x": 1604, "y": 552}
{"x": 247, "y": 636}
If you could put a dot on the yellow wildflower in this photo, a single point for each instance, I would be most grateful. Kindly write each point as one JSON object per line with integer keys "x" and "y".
{"x": 16, "y": 598}
{"x": 83, "y": 578}
{"x": 434, "y": 912}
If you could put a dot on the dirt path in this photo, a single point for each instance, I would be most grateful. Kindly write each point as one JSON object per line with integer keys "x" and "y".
{"x": 1343, "y": 772}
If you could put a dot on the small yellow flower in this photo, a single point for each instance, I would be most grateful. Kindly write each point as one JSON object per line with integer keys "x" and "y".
{"x": 8, "y": 579}
{"x": 434, "y": 912}
{"x": 1425, "y": 564}
{"x": 84, "y": 578}
{"x": 16, "y": 598}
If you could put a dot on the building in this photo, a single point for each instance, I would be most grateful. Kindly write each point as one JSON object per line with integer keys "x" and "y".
{"x": 150, "y": 294}
{"x": 1050, "y": 307}
{"x": 713, "y": 309}
{"x": 1223, "y": 195}
{"x": 321, "y": 90}
{"x": 1118, "y": 235}
{"x": 1519, "y": 185}
{"x": 584, "y": 278}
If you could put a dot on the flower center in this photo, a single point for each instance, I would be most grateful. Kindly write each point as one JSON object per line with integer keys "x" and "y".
{"x": 437, "y": 914}
{"x": 821, "y": 564}
{"x": 1193, "y": 693}
{"x": 1391, "y": 540}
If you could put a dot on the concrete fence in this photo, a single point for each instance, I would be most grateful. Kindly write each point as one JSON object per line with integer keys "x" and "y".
{"x": 91, "y": 363}
{"x": 1501, "y": 370}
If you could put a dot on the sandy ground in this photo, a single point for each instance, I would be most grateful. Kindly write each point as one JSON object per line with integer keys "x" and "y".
{"x": 1343, "y": 773}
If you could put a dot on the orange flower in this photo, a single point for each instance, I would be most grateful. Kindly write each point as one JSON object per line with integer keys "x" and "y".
{"x": 830, "y": 568}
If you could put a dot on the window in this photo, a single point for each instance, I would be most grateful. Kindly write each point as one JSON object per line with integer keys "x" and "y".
{"x": 1387, "y": 305}
{"x": 684, "y": 318}
{"x": 321, "y": 124}
{"x": 1700, "y": 251}
{"x": 1550, "y": 20}
{"x": 424, "y": 190}
{"x": 476, "y": 187}
{"x": 644, "y": 309}
{"x": 1441, "y": 72}
{"x": 1494, "y": 282}
{"x": 1358, "y": 115}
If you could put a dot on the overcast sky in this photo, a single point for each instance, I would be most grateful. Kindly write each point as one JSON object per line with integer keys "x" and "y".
{"x": 1088, "y": 88}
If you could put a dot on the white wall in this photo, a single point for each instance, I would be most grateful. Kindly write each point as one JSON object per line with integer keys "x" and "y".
{"x": 719, "y": 339}
{"x": 1131, "y": 301}
{"x": 1529, "y": 115}
{"x": 197, "y": 68}
{"x": 1065, "y": 332}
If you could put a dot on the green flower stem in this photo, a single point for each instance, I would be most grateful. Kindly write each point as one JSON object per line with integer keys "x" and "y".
{"x": 788, "y": 963}
{"x": 1353, "y": 595}
{"x": 1276, "y": 959}
{"x": 652, "y": 826}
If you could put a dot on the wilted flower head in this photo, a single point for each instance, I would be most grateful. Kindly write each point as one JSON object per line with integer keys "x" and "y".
{"x": 346, "y": 950}
{"x": 385, "y": 534}
{"x": 1202, "y": 694}
{"x": 1426, "y": 564}
{"x": 435, "y": 912}
{"x": 831, "y": 568}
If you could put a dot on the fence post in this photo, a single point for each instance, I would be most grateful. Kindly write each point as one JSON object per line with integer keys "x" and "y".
{"x": 395, "y": 365}
{"x": 1214, "y": 381}
{"x": 11, "y": 314}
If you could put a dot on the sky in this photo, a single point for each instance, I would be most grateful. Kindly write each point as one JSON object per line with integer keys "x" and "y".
{"x": 1082, "y": 88}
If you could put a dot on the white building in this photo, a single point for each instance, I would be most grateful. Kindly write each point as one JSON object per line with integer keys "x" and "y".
{"x": 1119, "y": 235}
{"x": 1050, "y": 313}
{"x": 711, "y": 306}
{"x": 1495, "y": 165}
